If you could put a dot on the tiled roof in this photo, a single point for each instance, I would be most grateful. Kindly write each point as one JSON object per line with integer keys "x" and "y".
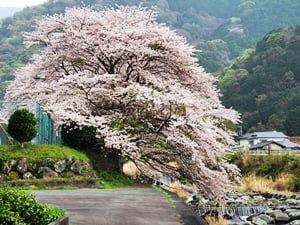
{"x": 264, "y": 134}
{"x": 284, "y": 144}
{"x": 264, "y": 143}
{"x": 289, "y": 144}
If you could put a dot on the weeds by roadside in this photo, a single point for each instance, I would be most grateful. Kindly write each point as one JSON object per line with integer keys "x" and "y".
{"x": 215, "y": 220}
{"x": 114, "y": 179}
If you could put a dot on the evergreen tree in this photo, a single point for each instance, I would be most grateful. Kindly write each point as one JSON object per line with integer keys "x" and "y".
{"x": 22, "y": 126}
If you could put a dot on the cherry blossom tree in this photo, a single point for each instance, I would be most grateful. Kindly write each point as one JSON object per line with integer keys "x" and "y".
{"x": 137, "y": 83}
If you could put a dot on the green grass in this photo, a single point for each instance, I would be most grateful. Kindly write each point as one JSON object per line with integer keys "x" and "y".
{"x": 45, "y": 187}
{"x": 114, "y": 179}
{"x": 37, "y": 152}
{"x": 168, "y": 196}
{"x": 109, "y": 179}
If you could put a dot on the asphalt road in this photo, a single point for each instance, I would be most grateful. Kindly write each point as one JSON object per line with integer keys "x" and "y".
{"x": 122, "y": 206}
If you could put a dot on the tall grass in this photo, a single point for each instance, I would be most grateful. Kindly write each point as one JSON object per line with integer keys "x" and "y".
{"x": 176, "y": 187}
{"x": 215, "y": 220}
{"x": 265, "y": 184}
{"x": 278, "y": 172}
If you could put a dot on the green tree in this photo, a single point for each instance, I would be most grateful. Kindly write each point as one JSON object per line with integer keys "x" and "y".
{"x": 22, "y": 126}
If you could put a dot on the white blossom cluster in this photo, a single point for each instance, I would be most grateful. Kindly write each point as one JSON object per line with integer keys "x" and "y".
{"x": 136, "y": 81}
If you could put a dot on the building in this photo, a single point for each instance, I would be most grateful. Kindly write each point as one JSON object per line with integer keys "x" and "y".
{"x": 47, "y": 132}
{"x": 268, "y": 140}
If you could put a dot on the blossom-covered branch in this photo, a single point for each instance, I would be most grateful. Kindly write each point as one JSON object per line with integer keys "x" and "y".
{"x": 137, "y": 83}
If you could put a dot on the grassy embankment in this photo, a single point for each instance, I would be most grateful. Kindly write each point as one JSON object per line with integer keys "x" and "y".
{"x": 268, "y": 173}
{"x": 108, "y": 178}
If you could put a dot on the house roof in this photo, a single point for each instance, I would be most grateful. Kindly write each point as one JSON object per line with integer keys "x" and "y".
{"x": 263, "y": 134}
{"x": 265, "y": 143}
{"x": 283, "y": 144}
{"x": 289, "y": 144}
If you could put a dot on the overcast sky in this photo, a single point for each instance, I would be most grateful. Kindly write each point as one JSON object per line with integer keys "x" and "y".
{"x": 20, "y": 3}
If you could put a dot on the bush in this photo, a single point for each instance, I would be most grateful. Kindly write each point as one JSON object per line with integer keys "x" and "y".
{"x": 19, "y": 208}
{"x": 22, "y": 126}
{"x": 83, "y": 138}
{"x": 294, "y": 183}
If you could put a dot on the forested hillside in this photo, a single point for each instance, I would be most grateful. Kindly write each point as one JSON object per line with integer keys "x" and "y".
{"x": 222, "y": 29}
{"x": 264, "y": 84}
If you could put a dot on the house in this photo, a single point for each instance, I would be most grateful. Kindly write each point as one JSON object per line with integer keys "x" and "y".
{"x": 250, "y": 139}
{"x": 269, "y": 140}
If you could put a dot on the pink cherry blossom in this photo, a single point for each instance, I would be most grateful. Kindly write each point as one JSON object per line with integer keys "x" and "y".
{"x": 121, "y": 65}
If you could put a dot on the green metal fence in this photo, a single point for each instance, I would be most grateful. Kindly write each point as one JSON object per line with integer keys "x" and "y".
{"x": 48, "y": 133}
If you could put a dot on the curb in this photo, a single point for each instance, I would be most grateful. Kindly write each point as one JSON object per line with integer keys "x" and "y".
{"x": 61, "y": 221}
{"x": 187, "y": 215}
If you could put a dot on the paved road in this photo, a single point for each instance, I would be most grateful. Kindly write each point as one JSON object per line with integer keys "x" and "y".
{"x": 122, "y": 206}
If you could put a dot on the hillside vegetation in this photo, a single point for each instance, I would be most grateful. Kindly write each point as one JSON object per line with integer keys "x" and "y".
{"x": 263, "y": 84}
{"x": 282, "y": 170}
{"x": 222, "y": 28}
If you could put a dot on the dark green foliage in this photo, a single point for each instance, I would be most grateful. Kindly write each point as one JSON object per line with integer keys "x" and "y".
{"x": 20, "y": 208}
{"x": 222, "y": 29}
{"x": 83, "y": 138}
{"x": 294, "y": 183}
{"x": 22, "y": 126}
{"x": 264, "y": 86}
{"x": 238, "y": 23}
{"x": 114, "y": 179}
{"x": 266, "y": 165}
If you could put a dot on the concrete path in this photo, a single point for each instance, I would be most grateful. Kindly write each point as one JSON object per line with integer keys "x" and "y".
{"x": 122, "y": 206}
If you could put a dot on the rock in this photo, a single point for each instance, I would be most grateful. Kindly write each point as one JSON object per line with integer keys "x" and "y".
{"x": 259, "y": 198}
{"x": 48, "y": 162}
{"x": 60, "y": 166}
{"x": 76, "y": 167}
{"x": 290, "y": 210}
{"x": 295, "y": 222}
{"x": 236, "y": 202}
{"x": 271, "y": 212}
{"x": 86, "y": 164}
{"x": 22, "y": 166}
{"x": 294, "y": 215}
{"x": 258, "y": 221}
{"x": 8, "y": 166}
{"x": 281, "y": 217}
{"x": 292, "y": 202}
{"x": 28, "y": 176}
{"x": 266, "y": 218}
{"x": 245, "y": 198}
{"x": 241, "y": 223}
{"x": 282, "y": 207}
{"x": 46, "y": 172}
{"x": 69, "y": 161}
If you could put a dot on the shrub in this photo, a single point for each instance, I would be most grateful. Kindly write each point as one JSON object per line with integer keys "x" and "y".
{"x": 20, "y": 208}
{"x": 294, "y": 183}
{"x": 83, "y": 138}
{"x": 22, "y": 126}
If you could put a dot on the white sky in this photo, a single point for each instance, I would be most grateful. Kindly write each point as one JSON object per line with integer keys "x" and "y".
{"x": 20, "y": 3}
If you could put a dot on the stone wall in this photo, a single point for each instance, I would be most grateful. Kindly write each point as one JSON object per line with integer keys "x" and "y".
{"x": 46, "y": 168}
